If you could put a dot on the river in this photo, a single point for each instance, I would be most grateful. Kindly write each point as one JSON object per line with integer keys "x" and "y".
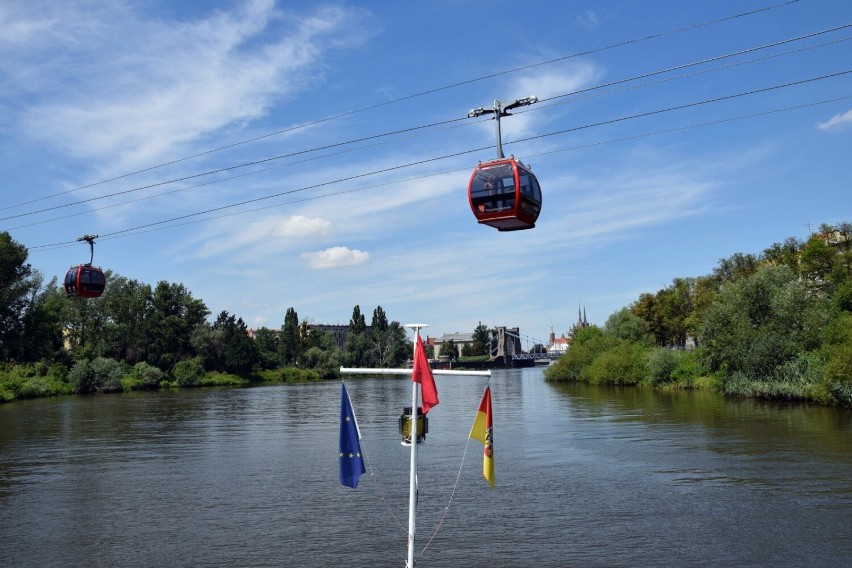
{"x": 585, "y": 477}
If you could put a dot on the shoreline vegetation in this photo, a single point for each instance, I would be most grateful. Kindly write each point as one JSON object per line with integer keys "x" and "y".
{"x": 777, "y": 325}
{"x": 773, "y": 326}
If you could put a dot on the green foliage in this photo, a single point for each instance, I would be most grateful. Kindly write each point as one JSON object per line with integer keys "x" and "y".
{"x": 325, "y": 362}
{"x": 220, "y": 379}
{"x": 661, "y": 366}
{"x": 16, "y": 286}
{"x": 288, "y": 342}
{"x": 760, "y": 322}
{"x": 837, "y": 353}
{"x": 175, "y": 314}
{"x": 623, "y": 363}
{"x": 581, "y": 336}
{"x": 588, "y": 344}
{"x": 689, "y": 370}
{"x": 357, "y": 324}
{"x": 144, "y": 376}
{"x": 624, "y": 324}
{"x": 842, "y": 298}
{"x": 792, "y": 380}
{"x": 266, "y": 342}
{"x": 30, "y": 380}
{"x": 481, "y": 341}
{"x": 449, "y": 349}
{"x": 98, "y": 375}
{"x": 226, "y": 346}
{"x": 290, "y": 375}
{"x": 188, "y": 373}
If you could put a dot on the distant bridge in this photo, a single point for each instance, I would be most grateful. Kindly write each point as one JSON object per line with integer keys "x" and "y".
{"x": 509, "y": 348}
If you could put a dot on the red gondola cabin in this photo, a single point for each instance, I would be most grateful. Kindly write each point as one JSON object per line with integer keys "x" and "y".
{"x": 505, "y": 195}
{"x": 85, "y": 281}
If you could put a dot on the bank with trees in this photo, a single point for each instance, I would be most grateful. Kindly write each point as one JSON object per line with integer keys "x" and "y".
{"x": 775, "y": 325}
{"x": 138, "y": 336}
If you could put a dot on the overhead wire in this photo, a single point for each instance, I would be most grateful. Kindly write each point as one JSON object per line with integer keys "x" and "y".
{"x": 420, "y": 94}
{"x": 451, "y": 121}
{"x": 458, "y": 170}
{"x": 518, "y": 111}
{"x": 456, "y": 154}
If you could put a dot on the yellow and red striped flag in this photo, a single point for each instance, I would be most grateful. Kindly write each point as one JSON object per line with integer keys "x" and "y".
{"x": 483, "y": 431}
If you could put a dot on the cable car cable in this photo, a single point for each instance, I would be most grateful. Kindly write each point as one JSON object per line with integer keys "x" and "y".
{"x": 465, "y": 169}
{"x": 420, "y": 94}
{"x": 450, "y": 121}
{"x": 539, "y": 107}
{"x": 420, "y": 162}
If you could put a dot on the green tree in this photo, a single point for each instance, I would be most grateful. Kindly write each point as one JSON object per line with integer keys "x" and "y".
{"x": 16, "y": 289}
{"x": 784, "y": 254}
{"x": 175, "y": 314}
{"x": 481, "y": 341}
{"x": 357, "y": 352}
{"x": 357, "y": 324}
{"x": 266, "y": 342}
{"x": 760, "y": 322}
{"x": 449, "y": 349}
{"x": 228, "y": 346}
{"x": 647, "y": 307}
{"x": 380, "y": 320}
{"x": 288, "y": 343}
{"x": 625, "y": 324}
{"x": 43, "y": 337}
{"x": 128, "y": 309}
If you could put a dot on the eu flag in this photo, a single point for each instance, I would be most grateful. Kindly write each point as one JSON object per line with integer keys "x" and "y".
{"x": 351, "y": 458}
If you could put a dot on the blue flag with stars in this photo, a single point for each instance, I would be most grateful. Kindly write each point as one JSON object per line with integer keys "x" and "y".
{"x": 351, "y": 458}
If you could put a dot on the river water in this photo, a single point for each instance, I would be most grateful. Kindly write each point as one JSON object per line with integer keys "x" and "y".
{"x": 584, "y": 477}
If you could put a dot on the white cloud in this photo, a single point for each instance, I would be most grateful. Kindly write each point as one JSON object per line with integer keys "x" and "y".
{"x": 837, "y": 122}
{"x": 145, "y": 88}
{"x": 335, "y": 257}
{"x": 301, "y": 227}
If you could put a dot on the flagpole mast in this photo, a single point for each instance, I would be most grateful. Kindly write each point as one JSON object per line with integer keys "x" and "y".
{"x": 412, "y": 481}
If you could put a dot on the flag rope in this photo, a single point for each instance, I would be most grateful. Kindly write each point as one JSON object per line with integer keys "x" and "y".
{"x": 452, "y": 494}
{"x": 381, "y": 495}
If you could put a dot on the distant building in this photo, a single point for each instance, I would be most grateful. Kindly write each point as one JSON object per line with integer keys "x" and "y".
{"x": 459, "y": 339}
{"x": 339, "y": 332}
{"x": 582, "y": 322}
{"x": 558, "y": 345}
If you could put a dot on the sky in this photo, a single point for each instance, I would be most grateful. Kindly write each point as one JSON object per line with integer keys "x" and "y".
{"x": 316, "y": 155}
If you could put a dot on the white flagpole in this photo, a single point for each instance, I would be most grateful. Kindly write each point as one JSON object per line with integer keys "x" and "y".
{"x": 412, "y": 482}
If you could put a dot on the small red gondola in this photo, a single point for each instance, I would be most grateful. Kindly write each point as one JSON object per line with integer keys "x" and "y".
{"x": 85, "y": 280}
{"x": 505, "y": 195}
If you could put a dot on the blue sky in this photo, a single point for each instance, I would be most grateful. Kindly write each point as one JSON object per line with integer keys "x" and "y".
{"x": 103, "y": 104}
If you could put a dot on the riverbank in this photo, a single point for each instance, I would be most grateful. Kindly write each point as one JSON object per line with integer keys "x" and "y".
{"x": 35, "y": 380}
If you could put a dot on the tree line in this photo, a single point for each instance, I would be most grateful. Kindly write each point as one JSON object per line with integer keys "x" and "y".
{"x": 775, "y": 325}
{"x": 136, "y": 336}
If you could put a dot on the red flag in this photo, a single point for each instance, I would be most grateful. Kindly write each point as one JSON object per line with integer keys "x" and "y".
{"x": 423, "y": 374}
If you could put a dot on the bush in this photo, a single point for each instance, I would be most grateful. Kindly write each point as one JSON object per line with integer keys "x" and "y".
{"x": 221, "y": 379}
{"x": 290, "y": 375}
{"x": 582, "y": 353}
{"x": 662, "y": 364}
{"x": 188, "y": 373}
{"x": 32, "y": 380}
{"x": 623, "y": 364}
{"x": 99, "y": 375}
{"x": 143, "y": 376}
{"x": 837, "y": 375}
{"x": 689, "y": 369}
